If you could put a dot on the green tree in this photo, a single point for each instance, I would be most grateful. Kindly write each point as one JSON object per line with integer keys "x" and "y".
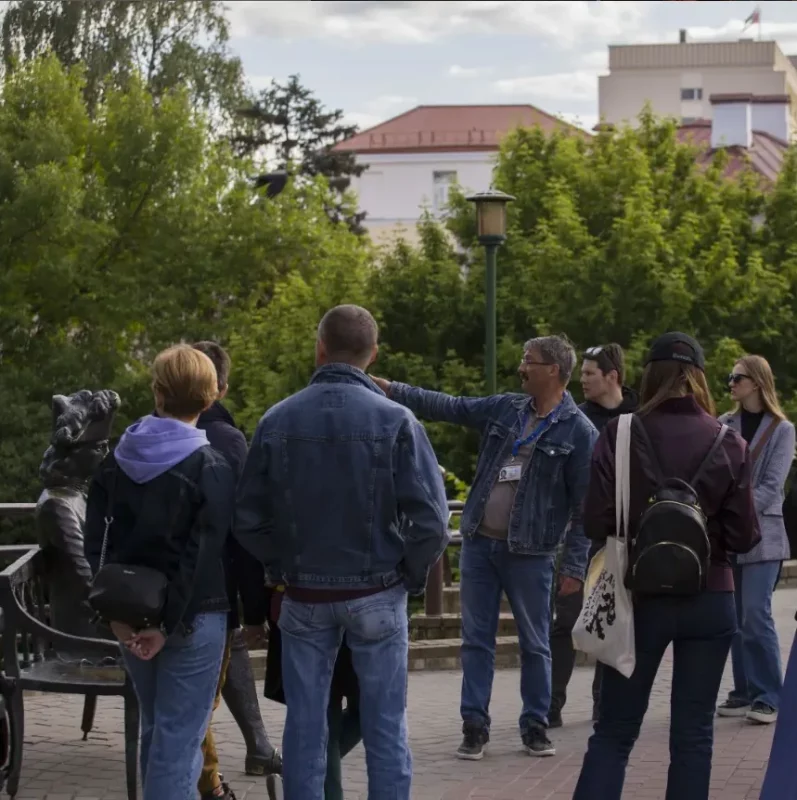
{"x": 168, "y": 44}
{"x": 126, "y": 230}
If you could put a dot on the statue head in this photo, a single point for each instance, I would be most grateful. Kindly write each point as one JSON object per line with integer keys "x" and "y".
{"x": 81, "y": 429}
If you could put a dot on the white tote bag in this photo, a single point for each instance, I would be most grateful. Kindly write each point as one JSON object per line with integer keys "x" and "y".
{"x": 605, "y": 627}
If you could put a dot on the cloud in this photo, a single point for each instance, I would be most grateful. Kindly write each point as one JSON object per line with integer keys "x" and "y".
{"x": 456, "y": 71}
{"x": 581, "y": 85}
{"x": 566, "y": 22}
{"x": 379, "y": 110}
{"x": 585, "y": 121}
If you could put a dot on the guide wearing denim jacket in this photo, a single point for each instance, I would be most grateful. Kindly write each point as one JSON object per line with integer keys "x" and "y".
{"x": 342, "y": 489}
{"x": 551, "y": 491}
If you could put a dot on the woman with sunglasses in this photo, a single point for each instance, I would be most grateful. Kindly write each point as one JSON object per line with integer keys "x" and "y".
{"x": 755, "y": 654}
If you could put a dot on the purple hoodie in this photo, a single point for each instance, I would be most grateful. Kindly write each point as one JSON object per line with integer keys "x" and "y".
{"x": 154, "y": 445}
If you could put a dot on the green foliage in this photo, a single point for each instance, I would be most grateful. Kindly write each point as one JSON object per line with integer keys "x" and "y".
{"x": 129, "y": 227}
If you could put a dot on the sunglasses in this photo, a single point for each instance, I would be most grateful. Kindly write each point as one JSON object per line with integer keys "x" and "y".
{"x": 736, "y": 377}
{"x": 599, "y": 354}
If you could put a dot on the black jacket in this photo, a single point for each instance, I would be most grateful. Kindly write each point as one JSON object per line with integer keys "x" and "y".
{"x": 598, "y": 415}
{"x": 244, "y": 573}
{"x": 178, "y": 524}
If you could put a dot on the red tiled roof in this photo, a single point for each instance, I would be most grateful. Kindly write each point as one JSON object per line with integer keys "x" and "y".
{"x": 428, "y": 129}
{"x": 765, "y": 155}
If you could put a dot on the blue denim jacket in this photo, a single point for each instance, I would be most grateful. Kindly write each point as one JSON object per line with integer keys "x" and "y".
{"x": 342, "y": 489}
{"x": 551, "y": 491}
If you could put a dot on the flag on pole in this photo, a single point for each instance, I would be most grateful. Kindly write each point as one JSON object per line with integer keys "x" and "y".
{"x": 753, "y": 19}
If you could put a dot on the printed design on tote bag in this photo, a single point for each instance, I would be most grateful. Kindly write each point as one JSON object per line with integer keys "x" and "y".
{"x": 600, "y": 611}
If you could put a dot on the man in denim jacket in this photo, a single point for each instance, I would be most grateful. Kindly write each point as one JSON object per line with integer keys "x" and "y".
{"x": 531, "y": 478}
{"x": 343, "y": 501}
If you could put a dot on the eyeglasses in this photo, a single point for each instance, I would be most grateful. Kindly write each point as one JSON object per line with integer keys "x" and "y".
{"x": 736, "y": 377}
{"x": 593, "y": 351}
{"x": 530, "y": 363}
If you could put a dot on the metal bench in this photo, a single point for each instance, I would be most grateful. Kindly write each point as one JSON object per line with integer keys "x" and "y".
{"x": 31, "y": 663}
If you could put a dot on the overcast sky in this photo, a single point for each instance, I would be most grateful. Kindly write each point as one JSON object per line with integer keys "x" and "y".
{"x": 377, "y": 58}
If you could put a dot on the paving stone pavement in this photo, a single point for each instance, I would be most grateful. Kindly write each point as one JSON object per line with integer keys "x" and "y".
{"x": 59, "y": 766}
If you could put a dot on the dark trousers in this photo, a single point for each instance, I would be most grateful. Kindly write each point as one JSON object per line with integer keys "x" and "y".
{"x": 563, "y": 656}
{"x": 701, "y": 630}
{"x": 344, "y": 736}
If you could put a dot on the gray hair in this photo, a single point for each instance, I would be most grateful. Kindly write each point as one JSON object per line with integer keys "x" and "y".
{"x": 349, "y": 334}
{"x": 557, "y": 350}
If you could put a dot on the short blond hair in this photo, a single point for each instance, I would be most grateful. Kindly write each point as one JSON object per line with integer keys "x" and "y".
{"x": 184, "y": 381}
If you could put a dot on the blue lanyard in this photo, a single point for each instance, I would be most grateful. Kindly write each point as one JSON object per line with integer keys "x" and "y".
{"x": 543, "y": 426}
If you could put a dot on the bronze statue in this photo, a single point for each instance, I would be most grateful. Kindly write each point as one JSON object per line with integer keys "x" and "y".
{"x": 79, "y": 441}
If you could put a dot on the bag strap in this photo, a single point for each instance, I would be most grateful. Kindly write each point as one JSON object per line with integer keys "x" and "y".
{"x": 765, "y": 437}
{"x": 622, "y": 476}
{"x": 709, "y": 456}
{"x": 653, "y": 461}
{"x": 108, "y": 516}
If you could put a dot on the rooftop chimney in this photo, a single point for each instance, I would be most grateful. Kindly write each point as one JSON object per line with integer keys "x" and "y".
{"x": 732, "y": 120}
{"x": 682, "y": 36}
{"x": 772, "y": 114}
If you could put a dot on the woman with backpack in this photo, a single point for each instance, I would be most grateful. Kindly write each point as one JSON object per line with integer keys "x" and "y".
{"x": 157, "y": 520}
{"x": 697, "y": 475}
{"x": 755, "y": 654}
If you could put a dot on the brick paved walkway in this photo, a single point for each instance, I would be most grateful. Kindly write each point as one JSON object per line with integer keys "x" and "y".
{"x": 59, "y": 766}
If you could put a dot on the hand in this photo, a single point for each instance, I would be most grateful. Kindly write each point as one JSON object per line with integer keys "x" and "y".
{"x": 123, "y": 632}
{"x": 147, "y": 644}
{"x": 254, "y": 636}
{"x": 568, "y": 585}
{"x": 382, "y": 383}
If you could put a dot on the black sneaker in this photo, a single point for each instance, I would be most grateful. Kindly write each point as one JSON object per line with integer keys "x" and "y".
{"x": 733, "y": 707}
{"x": 762, "y": 714}
{"x": 474, "y": 743}
{"x": 555, "y": 719}
{"x": 537, "y": 743}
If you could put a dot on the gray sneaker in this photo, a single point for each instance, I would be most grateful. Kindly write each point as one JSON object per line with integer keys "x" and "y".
{"x": 762, "y": 714}
{"x": 537, "y": 743}
{"x": 274, "y": 788}
{"x": 474, "y": 743}
{"x": 733, "y": 707}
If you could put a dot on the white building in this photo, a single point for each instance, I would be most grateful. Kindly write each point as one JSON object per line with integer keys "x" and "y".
{"x": 415, "y": 158}
{"x": 679, "y": 79}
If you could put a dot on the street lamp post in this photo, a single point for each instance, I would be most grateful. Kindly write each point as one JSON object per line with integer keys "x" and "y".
{"x": 491, "y": 227}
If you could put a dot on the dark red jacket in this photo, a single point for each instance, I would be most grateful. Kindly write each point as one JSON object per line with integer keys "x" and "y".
{"x": 681, "y": 433}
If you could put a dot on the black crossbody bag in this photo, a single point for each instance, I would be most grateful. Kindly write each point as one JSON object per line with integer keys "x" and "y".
{"x": 127, "y": 593}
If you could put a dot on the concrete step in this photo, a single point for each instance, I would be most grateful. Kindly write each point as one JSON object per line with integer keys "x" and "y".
{"x": 441, "y": 654}
{"x": 449, "y": 626}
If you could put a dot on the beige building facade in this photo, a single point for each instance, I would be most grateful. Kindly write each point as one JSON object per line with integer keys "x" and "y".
{"x": 679, "y": 79}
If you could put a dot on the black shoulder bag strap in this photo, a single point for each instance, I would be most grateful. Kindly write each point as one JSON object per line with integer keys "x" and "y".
{"x": 709, "y": 456}
{"x": 108, "y": 517}
{"x": 656, "y": 472}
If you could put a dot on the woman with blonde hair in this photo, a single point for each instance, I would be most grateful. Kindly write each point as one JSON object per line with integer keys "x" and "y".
{"x": 755, "y": 655}
{"x": 157, "y": 522}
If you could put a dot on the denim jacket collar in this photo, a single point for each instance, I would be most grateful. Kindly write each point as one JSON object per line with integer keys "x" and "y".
{"x": 344, "y": 373}
{"x": 569, "y": 407}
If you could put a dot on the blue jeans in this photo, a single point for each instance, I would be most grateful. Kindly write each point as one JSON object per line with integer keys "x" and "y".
{"x": 175, "y": 692}
{"x": 755, "y": 654}
{"x": 700, "y": 629}
{"x": 377, "y": 634}
{"x": 488, "y": 568}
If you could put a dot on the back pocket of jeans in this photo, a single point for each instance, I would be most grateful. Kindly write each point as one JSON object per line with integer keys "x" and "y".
{"x": 374, "y": 618}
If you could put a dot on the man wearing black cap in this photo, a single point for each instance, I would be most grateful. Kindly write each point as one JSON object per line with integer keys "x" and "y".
{"x": 602, "y": 376}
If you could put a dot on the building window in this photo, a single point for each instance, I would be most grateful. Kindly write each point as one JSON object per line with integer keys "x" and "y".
{"x": 691, "y": 94}
{"x": 442, "y": 183}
